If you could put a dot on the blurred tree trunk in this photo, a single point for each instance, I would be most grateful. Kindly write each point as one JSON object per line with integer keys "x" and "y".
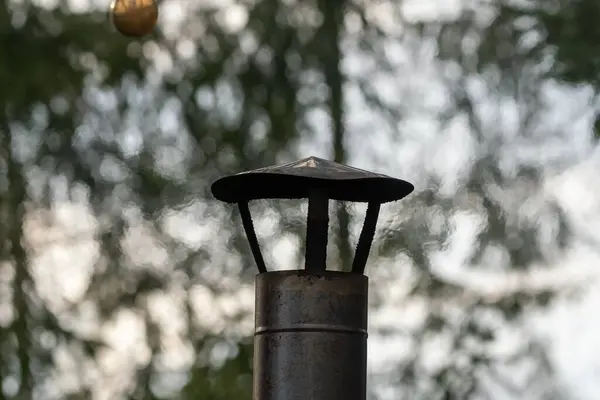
{"x": 5, "y": 248}
{"x": 331, "y": 35}
{"x": 16, "y": 211}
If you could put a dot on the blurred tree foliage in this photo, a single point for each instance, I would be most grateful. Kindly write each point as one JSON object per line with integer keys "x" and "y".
{"x": 136, "y": 130}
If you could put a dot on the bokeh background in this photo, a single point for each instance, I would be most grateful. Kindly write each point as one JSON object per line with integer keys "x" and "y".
{"x": 122, "y": 278}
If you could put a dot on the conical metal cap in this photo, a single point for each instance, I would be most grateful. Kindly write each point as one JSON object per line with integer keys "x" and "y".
{"x": 297, "y": 180}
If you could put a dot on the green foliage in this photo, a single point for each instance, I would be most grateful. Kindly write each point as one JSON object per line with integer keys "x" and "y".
{"x": 231, "y": 381}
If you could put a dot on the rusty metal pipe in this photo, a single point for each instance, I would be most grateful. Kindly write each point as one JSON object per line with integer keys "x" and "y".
{"x": 310, "y": 338}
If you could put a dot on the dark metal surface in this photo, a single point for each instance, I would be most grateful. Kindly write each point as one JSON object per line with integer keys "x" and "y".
{"x": 251, "y": 235}
{"x": 299, "y": 179}
{"x": 365, "y": 240}
{"x": 317, "y": 227}
{"x": 311, "y": 336}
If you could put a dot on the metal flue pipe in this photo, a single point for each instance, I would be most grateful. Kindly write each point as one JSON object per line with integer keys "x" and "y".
{"x": 311, "y": 336}
{"x": 310, "y": 340}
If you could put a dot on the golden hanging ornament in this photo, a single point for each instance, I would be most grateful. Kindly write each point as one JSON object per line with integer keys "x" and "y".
{"x": 134, "y": 17}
